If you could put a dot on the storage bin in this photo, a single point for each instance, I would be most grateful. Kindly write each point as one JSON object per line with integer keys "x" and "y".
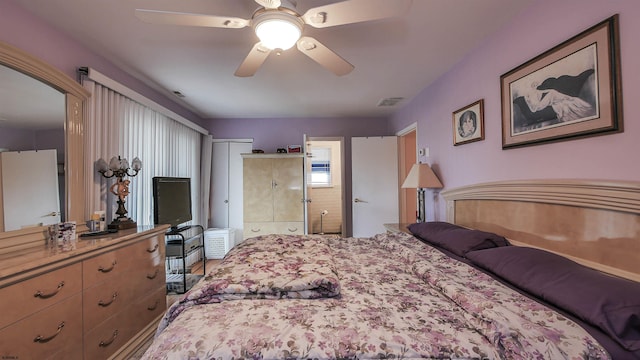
{"x": 218, "y": 242}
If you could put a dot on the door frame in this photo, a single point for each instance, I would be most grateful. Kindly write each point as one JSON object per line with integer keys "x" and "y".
{"x": 407, "y": 156}
{"x": 342, "y": 177}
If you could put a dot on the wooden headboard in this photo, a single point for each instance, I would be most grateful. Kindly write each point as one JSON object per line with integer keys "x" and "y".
{"x": 596, "y": 223}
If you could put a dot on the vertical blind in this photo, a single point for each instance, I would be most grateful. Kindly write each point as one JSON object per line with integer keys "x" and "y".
{"x": 120, "y": 126}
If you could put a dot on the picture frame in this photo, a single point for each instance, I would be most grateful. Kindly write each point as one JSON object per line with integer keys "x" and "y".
{"x": 468, "y": 123}
{"x": 570, "y": 91}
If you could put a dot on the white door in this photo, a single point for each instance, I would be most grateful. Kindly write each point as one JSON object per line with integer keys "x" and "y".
{"x": 220, "y": 185}
{"x": 374, "y": 184}
{"x": 226, "y": 198}
{"x": 32, "y": 177}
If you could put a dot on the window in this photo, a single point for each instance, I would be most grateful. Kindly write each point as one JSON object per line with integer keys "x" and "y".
{"x": 321, "y": 167}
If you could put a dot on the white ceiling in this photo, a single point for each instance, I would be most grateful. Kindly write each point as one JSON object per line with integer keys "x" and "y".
{"x": 395, "y": 57}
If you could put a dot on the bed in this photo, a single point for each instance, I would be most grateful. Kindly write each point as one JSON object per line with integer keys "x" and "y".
{"x": 445, "y": 290}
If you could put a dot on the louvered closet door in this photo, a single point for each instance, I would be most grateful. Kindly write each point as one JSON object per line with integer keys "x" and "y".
{"x": 258, "y": 195}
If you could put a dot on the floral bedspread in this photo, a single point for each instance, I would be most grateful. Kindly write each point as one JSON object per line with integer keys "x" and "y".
{"x": 398, "y": 298}
{"x": 267, "y": 267}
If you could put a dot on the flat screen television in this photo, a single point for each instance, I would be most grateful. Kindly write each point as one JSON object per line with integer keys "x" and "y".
{"x": 172, "y": 201}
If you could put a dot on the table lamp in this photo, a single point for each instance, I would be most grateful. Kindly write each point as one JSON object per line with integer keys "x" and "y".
{"x": 421, "y": 176}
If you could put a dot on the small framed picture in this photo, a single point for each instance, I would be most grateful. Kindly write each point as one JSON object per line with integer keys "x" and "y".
{"x": 468, "y": 123}
{"x": 294, "y": 148}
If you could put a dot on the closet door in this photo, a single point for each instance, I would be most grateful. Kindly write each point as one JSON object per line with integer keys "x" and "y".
{"x": 235, "y": 189}
{"x": 220, "y": 185}
{"x": 226, "y": 184}
{"x": 34, "y": 199}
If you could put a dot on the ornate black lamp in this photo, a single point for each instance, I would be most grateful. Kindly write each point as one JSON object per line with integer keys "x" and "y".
{"x": 119, "y": 168}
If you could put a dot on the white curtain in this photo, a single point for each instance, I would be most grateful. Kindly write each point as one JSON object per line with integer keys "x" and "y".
{"x": 205, "y": 177}
{"x": 119, "y": 126}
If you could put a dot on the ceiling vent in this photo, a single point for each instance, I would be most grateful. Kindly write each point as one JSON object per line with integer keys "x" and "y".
{"x": 392, "y": 101}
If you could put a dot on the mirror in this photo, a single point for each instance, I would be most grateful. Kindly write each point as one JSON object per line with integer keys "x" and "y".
{"x": 32, "y": 116}
{"x": 70, "y": 119}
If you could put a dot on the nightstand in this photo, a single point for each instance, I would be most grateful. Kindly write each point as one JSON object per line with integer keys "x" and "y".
{"x": 396, "y": 228}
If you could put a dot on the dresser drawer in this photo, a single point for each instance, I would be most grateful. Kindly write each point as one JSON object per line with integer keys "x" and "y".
{"x": 118, "y": 293}
{"x": 55, "y": 332}
{"x": 29, "y": 296}
{"x": 252, "y": 229}
{"x": 289, "y": 228}
{"x": 110, "y": 335}
{"x": 121, "y": 261}
{"x": 151, "y": 306}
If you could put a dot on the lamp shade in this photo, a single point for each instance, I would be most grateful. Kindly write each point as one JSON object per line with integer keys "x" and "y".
{"x": 421, "y": 176}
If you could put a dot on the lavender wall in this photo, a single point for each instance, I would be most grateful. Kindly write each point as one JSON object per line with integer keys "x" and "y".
{"x": 270, "y": 134}
{"x": 14, "y": 139}
{"x": 23, "y": 30}
{"x": 542, "y": 26}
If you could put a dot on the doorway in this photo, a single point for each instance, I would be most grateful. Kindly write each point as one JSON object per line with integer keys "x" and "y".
{"x": 325, "y": 185}
{"x": 407, "y": 156}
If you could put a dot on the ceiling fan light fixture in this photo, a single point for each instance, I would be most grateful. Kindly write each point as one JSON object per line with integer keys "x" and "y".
{"x": 278, "y": 30}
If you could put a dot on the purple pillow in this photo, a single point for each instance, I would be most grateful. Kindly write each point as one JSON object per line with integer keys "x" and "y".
{"x": 457, "y": 239}
{"x": 607, "y": 302}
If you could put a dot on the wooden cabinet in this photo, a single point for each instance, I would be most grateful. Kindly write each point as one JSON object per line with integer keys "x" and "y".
{"x": 273, "y": 194}
{"x": 91, "y": 302}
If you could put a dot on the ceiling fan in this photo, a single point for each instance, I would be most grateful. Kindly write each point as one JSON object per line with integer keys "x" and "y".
{"x": 279, "y": 26}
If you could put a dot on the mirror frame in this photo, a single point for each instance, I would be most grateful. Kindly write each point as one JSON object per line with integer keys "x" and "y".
{"x": 74, "y": 160}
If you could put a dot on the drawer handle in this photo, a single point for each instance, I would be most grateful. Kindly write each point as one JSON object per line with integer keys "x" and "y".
{"x": 292, "y": 230}
{"x": 155, "y": 306}
{"x": 42, "y": 340}
{"x": 108, "y": 342}
{"x": 105, "y": 304}
{"x": 255, "y": 230}
{"x": 41, "y": 295}
{"x": 155, "y": 247}
{"x": 103, "y": 270}
{"x": 153, "y": 276}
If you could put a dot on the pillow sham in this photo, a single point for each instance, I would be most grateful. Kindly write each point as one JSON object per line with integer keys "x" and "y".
{"x": 607, "y": 302}
{"x": 457, "y": 239}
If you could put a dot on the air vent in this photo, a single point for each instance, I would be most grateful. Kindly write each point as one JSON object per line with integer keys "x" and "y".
{"x": 392, "y": 101}
{"x": 178, "y": 93}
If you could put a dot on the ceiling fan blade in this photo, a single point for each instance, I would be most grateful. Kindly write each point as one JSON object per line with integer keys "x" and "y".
{"x": 253, "y": 61}
{"x": 324, "y": 56}
{"x": 353, "y": 11}
{"x": 269, "y": 4}
{"x": 187, "y": 19}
